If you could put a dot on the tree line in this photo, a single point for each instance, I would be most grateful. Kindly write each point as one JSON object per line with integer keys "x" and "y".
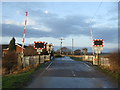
{"x": 67, "y": 51}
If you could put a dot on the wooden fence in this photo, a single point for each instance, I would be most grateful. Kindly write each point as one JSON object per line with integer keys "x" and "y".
{"x": 27, "y": 61}
{"x": 103, "y": 61}
{"x": 32, "y": 60}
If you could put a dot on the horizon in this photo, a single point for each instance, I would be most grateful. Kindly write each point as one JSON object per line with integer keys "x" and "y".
{"x": 105, "y": 50}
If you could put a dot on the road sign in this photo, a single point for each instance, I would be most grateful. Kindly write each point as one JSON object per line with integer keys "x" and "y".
{"x": 39, "y": 45}
{"x": 49, "y": 48}
{"x": 39, "y": 51}
{"x": 98, "y": 45}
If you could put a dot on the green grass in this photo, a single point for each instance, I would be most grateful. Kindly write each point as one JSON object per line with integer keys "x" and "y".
{"x": 20, "y": 80}
{"x": 17, "y": 80}
{"x": 77, "y": 59}
{"x": 113, "y": 75}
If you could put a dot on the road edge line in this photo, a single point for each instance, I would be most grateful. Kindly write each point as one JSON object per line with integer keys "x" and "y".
{"x": 48, "y": 66}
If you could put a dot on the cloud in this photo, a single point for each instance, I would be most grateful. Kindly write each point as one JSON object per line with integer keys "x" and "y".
{"x": 8, "y": 21}
{"x": 17, "y": 31}
{"x": 68, "y": 25}
{"x": 52, "y": 25}
{"x": 57, "y": 27}
{"x": 108, "y": 34}
{"x": 42, "y": 28}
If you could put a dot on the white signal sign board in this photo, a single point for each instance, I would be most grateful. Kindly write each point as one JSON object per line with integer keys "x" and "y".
{"x": 98, "y": 45}
{"x": 39, "y": 51}
{"x": 98, "y": 42}
{"x": 39, "y": 45}
{"x": 49, "y": 47}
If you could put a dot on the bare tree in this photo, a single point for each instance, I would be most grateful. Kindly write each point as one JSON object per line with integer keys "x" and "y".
{"x": 77, "y": 52}
{"x": 9, "y": 61}
{"x": 115, "y": 62}
{"x": 12, "y": 46}
{"x": 65, "y": 51}
{"x": 84, "y": 50}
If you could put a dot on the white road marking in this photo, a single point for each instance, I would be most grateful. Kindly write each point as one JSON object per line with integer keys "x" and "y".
{"x": 46, "y": 69}
{"x": 73, "y": 73}
{"x": 88, "y": 66}
{"x": 48, "y": 65}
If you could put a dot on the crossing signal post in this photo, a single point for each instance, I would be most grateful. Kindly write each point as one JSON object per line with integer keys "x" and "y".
{"x": 49, "y": 48}
{"x": 39, "y": 46}
{"x": 61, "y": 46}
{"x": 98, "y": 45}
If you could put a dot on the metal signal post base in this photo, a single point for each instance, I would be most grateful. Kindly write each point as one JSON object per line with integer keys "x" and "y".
{"x": 97, "y": 59}
{"x": 39, "y": 58}
{"x": 23, "y": 60}
{"x": 98, "y": 49}
{"x": 39, "y": 52}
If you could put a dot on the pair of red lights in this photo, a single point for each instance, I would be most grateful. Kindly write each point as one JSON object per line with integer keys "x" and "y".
{"x": 39, "y": 48}
{"x": 39, "y": 42}
{"x": 98, "y": 42}
{"x": 98, "y": 45}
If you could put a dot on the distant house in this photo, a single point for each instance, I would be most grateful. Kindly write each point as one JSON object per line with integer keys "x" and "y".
{"x": 5, "y": 48}
{"x": 19, "y": 48}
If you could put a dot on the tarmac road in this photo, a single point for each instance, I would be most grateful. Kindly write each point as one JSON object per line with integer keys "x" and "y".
{"x": 67, "y": 73}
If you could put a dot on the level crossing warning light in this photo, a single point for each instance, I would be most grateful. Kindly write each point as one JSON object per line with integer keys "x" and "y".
{"x": 39, "y": 45}
{"x": 98, "y": 45}
{"x": 98, "y": 42}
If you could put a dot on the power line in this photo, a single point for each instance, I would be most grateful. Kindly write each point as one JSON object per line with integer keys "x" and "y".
{"x": 91, "y": 32}
{"x": 96, "y": 12}
{"x": 72, "y": 46}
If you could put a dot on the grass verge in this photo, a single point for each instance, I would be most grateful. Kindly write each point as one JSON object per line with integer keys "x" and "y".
{"x": 20, "y": 80}
{"x": 111, "y": 74}
{"x": 59, "y": 56}
{"x": 17, "y": 80}
{"x": 77, "y": 59}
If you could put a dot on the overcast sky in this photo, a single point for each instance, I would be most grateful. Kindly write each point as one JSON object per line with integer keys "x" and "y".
{"x": 50, "y": 21}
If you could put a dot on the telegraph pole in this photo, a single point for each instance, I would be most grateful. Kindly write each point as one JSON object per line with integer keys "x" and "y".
{"x": 61, "y": 46}
{"x": 72, "y": 46}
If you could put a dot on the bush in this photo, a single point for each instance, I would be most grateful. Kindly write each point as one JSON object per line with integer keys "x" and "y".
{"x": 30, "y": 51}
{"x": 115, "y": 62}
{"x": 10, "y": 62}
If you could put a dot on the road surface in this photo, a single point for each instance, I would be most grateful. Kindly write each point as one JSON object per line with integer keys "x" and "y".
{"x": 67, "y": 73}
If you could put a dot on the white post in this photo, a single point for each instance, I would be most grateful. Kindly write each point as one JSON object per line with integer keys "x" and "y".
{"x": 23, "y": 40}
